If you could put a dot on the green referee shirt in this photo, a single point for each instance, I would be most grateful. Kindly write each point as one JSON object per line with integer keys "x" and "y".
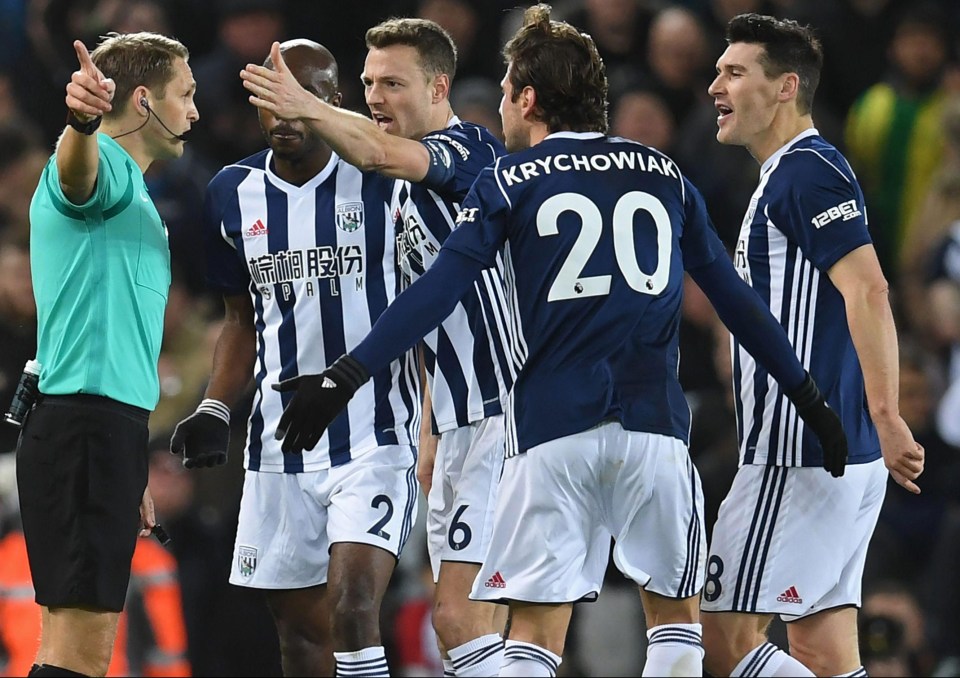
{"x": 101, "y": 273}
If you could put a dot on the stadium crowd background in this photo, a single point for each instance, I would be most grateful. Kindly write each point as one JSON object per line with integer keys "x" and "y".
{"x": 889, "y": 98}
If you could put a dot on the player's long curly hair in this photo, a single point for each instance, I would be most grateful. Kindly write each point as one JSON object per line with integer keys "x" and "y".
{"x": 564, "y": 68}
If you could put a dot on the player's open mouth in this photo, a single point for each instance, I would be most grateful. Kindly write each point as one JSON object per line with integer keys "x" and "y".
{"x": 724, "y": 112}
{"x": 382, "y": 120}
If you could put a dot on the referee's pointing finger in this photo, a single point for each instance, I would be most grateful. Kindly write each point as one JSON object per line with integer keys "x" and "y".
{"x": 83, "y": 56}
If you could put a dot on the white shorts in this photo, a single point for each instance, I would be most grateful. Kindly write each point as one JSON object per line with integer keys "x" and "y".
{"x": 793, "y": 540}
{"x": 288, "y": 521}
{"x": 463, "y": 492}
{"x": 559, "y": 504}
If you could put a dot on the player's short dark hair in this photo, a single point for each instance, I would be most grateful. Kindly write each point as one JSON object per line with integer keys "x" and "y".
{"x": 435, "y": 47}
{"x": 564, "y": 68}
{"x": 788, "y": 47}
{"x": 134, "y": 59}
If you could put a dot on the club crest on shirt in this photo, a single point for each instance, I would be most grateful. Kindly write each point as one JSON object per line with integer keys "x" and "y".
{"x": 246, "y": 560}
{"x": 349, "y": 216}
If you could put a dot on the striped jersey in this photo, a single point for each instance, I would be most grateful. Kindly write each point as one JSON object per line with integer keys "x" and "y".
{"x": 468, "y": 369}
{"x": 596, "y": 232}
{"x": 319, "y": 264}
{"x": 805, "y": 215}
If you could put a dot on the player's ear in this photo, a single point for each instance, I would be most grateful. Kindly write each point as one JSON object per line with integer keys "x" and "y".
{"x": 441, "y": 87}
{"x": 790, "y": 87}
{"x": 528, "y": 101}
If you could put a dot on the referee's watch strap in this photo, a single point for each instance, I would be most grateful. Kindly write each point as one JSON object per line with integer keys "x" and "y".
{"x": 88, "y": 127}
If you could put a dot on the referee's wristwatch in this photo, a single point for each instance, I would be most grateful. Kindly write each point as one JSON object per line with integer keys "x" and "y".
{"x": 88, "y": 127}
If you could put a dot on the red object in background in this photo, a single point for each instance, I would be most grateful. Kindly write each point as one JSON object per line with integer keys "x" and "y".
{"x": 153, "y": 585}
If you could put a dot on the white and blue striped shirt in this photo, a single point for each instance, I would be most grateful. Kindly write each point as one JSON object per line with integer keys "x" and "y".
{"x": 318, "y": 261}
{"x": 468, "y": 370}
{"x": 806, "y": 214}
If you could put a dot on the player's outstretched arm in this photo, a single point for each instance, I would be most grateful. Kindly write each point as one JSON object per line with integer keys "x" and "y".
{"x": 319, "y": 398}
{"x": 860, "y": 280}
{"x": 355, "y": 138}
{"x": 746, "y": 316}
{"x": 823, "y": 421}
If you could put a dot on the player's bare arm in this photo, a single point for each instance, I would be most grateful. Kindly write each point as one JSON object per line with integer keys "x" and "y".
{"x": 427, "y": 452}
{"x": 235, "y": 353}
{"x": 860, "y": 280}
{"x": 203, "y": 438}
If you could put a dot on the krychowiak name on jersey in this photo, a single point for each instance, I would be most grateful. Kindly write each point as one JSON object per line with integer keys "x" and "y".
{"x": 596, "y": 233}
{"x": 469, "y": 371}
{"x": 319, "y": 264}
{"x": 807, "y": 213}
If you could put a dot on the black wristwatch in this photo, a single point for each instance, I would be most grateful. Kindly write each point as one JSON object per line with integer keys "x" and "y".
{"x": 88, "y": 127}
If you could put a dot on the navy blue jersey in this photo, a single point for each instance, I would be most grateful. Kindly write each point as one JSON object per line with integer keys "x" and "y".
{"x": 805, "y": 215}
{"x": 595, "y": 233}
{"x": 646, "y": 368}
{"x": 468, "y": 369}
{"x": 318, "y": 262}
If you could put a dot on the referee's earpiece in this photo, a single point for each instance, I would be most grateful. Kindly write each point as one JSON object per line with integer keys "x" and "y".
{"x": 146, "y": 104}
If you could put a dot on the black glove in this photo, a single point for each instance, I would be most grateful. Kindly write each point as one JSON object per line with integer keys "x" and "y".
{"x": 824, "y": 422}
{"x": 204, "y": 437}
{"x": 317, "y": 400}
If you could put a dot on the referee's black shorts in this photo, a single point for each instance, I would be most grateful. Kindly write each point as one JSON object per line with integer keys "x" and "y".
{"x": 81, "y": 474}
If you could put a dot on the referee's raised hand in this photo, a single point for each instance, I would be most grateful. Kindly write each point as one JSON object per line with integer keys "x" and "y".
{"x": 89, "y": 92}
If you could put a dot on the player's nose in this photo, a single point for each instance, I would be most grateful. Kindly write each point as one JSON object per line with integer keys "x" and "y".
{"x": 714, "y": 89}
{"x": 373, "y": 94}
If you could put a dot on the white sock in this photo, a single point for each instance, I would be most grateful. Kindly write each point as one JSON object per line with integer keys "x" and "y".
{"x": 370, "y": 661}
{"x": 859, "y": 672}
{"x": 478, "y": 658}
{"x": 448, "y": 668}
{"x": 674, "y": 650}
{"x": 769, "y": 660}
{"x": 527, "y": 659}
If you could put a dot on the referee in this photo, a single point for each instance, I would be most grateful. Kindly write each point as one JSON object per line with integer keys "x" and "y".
{"x": 101, "y": 270}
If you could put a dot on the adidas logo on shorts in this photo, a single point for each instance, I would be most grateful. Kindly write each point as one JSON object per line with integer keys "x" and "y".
{"x": 496, "y": 582}
{"x": 790, "y": 596}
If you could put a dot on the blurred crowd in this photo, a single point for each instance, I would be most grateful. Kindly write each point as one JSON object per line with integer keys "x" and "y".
{"x": 889, "y": 98}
